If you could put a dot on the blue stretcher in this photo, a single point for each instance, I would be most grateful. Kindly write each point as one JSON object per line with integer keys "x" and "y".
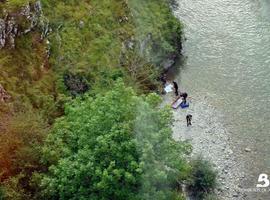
{"x": 179, "y": 103}
{"x": 184, "y": 105}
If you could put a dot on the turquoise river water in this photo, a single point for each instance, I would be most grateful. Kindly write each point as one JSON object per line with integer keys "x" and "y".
{"x": 227, "y": 51}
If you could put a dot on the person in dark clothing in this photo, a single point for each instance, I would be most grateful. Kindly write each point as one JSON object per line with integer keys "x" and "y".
{"x": 189, "y": 118}
{"x": 175, "y": 85}
{"x": 163, "y": 79}
{"x": 184, "y": 95}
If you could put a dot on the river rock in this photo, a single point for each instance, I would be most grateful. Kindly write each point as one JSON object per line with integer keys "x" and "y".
{"x": 235, "y": 195}
{"x": 2, "y": 33}
{"x": 230, "y": 151}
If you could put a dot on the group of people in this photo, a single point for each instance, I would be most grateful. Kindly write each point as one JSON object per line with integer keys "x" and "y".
{"x": 184, "y": 96}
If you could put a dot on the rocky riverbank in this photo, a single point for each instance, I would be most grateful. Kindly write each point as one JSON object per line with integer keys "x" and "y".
{"x": 211, "y": 140}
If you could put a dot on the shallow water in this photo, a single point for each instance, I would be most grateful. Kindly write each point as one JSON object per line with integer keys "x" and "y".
{"x": 228, "y": 60}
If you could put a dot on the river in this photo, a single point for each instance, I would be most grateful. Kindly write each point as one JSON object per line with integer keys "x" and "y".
{"x": 227, "y": 51}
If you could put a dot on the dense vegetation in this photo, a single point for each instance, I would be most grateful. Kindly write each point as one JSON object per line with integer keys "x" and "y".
{"x": 116, "y": 146}
{"x": 81, "y": 121}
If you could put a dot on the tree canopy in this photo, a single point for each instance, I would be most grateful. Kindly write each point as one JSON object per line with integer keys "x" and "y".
{"x": 116, "y": 146}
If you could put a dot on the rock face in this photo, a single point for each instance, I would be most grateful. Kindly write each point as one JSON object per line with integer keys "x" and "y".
{"x": 169, "y": 62}
{"x": 14, "y": 24}
{"x": 152, "y": 50}
{"x": 4, "y": 96}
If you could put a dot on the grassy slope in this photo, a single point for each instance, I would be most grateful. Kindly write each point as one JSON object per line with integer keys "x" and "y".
{"x": 93, "y": 49}
{"x": 86, "y": 40}
{"x": 155, "y": 17}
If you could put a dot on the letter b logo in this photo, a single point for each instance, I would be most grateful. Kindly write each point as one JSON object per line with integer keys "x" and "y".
{"x": 263, "y": 179}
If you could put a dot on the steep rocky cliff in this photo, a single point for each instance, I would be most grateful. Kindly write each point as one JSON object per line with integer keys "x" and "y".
{"x": 19, "y": 22}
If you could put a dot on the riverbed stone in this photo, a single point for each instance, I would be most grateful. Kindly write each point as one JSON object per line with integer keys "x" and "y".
{"x": 247, "y": 150}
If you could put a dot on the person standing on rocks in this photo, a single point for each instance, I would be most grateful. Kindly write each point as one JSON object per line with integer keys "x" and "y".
{"x": 184, "y": 95}
{"x": 175, "y": 85}
{"x": 189, "y": 118}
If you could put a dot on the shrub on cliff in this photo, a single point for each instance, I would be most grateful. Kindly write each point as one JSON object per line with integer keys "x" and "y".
{"x": 75, "y": 84}
{"x": 203, "y": 178}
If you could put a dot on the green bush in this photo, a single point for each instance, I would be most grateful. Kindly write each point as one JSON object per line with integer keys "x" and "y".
{"x": 203, "y": 178}
{"x": 75, "y": 84}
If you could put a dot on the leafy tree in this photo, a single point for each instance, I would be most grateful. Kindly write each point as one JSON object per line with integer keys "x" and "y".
{"x": 95, "y": 151}
{"x": 116, "y": 146}
{"x": 162, "y": 158}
